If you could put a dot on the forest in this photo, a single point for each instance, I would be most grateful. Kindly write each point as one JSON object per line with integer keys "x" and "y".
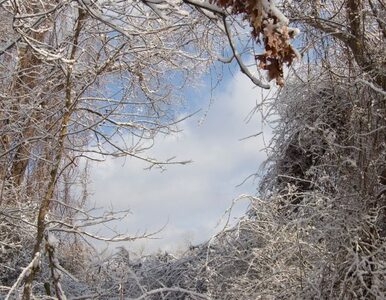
{"x": 85, "y": 80}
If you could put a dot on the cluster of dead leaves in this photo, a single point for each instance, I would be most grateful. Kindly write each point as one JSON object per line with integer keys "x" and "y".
{"x": 267, "y": 27}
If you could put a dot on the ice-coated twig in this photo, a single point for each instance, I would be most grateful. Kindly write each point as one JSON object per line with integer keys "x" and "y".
{"x": 33, "y": 264}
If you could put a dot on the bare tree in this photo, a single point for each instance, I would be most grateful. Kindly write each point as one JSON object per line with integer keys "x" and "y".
{"x": 84, "y": 79}
{"x": 317, "y": 232}
{"x": 90, "y": 79}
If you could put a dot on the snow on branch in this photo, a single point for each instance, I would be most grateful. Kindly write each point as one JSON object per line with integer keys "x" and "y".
{"x": 269, "y": 26}
{"x": 32, "y": 265}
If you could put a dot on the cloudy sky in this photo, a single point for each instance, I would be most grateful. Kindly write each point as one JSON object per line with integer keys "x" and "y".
{"x": 189, "y": 200}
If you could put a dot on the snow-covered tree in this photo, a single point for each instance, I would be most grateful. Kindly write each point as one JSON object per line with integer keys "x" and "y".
{"x": 89, "y": 79}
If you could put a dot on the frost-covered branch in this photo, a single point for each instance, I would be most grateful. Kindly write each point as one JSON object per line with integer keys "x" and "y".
{"x": 34, "y": 264}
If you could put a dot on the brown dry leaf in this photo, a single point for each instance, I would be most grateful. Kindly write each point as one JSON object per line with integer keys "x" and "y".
{"x": 275, "y": 35}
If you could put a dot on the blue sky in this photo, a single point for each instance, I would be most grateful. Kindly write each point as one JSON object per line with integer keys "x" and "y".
{"x": 189, "y": 200}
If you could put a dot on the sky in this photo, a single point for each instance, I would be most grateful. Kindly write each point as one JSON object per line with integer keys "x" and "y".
{"x": 189, "y": 201}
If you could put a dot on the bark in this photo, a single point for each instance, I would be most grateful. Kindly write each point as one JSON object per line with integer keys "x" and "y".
{"x": 55, "y": 171}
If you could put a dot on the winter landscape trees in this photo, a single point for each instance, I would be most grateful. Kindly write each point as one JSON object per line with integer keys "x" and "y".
{"x": 82, "y": 80}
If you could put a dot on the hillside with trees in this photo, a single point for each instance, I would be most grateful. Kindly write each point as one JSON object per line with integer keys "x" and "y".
{"x": 84, "y": 80}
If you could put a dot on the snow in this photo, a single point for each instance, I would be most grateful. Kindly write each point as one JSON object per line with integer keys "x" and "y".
{"x": 52, "y": 240}
{"x": 270, "y": 7}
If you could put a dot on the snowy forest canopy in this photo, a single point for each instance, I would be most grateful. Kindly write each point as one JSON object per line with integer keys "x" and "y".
{"x": 315, "y": 229}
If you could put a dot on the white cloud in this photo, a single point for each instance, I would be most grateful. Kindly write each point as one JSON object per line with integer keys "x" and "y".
{"x": 191, "y": 198}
